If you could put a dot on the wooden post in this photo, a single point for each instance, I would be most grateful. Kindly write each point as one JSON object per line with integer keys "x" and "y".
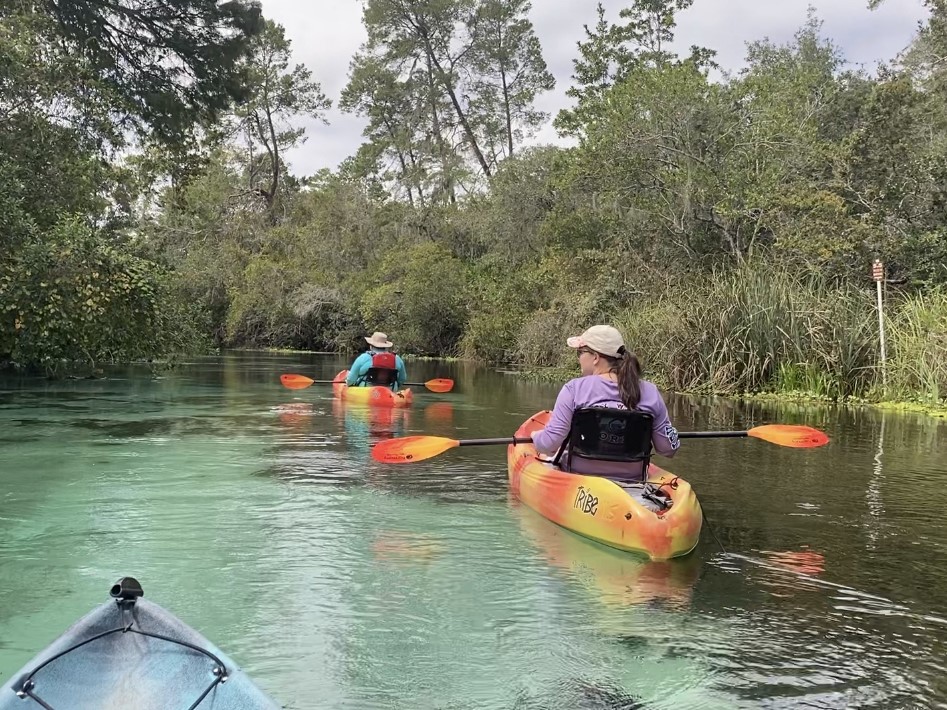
{"x": 878, "y": 274}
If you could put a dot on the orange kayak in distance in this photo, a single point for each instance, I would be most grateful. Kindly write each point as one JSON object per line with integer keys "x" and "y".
{"x": 374, "y": 396}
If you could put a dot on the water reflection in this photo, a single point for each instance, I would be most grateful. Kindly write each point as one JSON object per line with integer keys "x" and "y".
{"x": 400, "y": 547}
{"x": 439, "y": 413}
{"x": 873, "y": 493}
{"x": 614, "y": 578}
{"x": 365, "y": 425}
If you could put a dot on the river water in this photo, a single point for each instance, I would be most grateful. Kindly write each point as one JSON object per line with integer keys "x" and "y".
{"x": 255, "y": 514}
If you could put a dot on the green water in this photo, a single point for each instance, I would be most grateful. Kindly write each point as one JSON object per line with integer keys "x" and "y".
{"x": 255, "y": 515}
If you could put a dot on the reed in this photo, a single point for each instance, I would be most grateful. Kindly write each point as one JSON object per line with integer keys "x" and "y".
{"x": 917, "y": 331}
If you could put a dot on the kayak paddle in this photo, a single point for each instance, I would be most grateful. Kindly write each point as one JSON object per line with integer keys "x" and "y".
{"x": 299, "y": 382}
{"x": 408, "y": 449}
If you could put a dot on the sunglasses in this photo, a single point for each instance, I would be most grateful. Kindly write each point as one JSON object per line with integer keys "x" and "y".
{"x": 583, "y": 350}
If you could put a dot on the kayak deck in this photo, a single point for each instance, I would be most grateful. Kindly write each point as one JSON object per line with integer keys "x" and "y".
{"x": 131, "y": 653}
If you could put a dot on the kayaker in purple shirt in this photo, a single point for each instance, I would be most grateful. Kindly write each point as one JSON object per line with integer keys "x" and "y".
{"x": 611, "y": 377}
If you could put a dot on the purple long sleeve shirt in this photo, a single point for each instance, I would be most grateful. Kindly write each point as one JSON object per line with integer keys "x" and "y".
{"x": 596, "y": 391}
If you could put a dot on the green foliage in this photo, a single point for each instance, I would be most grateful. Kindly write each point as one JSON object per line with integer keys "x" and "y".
{"x": 509, "y": 73}
{"x": 76, "y": 296}
{"x": 612, "y": 52}
{"x": 167, "y": 65}
{"x": 275, "y": 93}
{"x": 917, "y": 334}
{"x": 596, "y": 69}
{"x": 726, "y": 225}
{"x": 755, "y": 329}
{"x": 500, "y": 302}
{"x": 276, "y": 306}
{"x": 421, "y": 299}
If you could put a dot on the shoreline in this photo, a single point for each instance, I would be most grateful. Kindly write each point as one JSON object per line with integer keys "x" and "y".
{"x": 936, "y": 410}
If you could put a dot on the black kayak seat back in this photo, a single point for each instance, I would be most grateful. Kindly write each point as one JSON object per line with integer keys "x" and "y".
{"x": 381, "y": 376}
{"x": 607, "y": 434}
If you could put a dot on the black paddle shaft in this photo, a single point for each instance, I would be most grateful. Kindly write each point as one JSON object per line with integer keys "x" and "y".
{"x": 711, "y": 434}
{"x": 526, "y": 440}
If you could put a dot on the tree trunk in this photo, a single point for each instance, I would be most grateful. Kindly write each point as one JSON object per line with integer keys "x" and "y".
{"x": 509, "y": 117}
{"x": 448, "y": 183}
{"x": 461, "y": 116}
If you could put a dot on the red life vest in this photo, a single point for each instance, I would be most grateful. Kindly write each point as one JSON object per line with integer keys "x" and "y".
{"x": 384, "y": 361}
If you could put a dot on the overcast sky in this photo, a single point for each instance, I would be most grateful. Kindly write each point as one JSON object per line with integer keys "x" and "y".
{"x": 326, "y": 33}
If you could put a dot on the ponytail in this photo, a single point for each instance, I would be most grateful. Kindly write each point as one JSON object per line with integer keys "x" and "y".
{"x": 628, "y": 369}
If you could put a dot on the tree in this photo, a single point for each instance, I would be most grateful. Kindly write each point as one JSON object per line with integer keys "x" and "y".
{"x": 509, "y": 72}
{"x": 399, "y": 128}
{"x": 167, "y": 64}
{"x": 650, "y": 29}
{"x": 276, "y": 95}
{"x": 611, "y": 52}
{"x": 411, "y": 33}
{"x": 595, "y": 70}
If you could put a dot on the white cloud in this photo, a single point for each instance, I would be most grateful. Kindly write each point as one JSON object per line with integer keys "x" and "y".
{"x": 325, "y": 40}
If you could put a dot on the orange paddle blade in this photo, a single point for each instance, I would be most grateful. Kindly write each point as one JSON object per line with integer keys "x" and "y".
{"x": 798, "y": 437}
{"x": 295, "y": 382}
{"x": 408, "y": 449}
{"x": 440, "y": 384}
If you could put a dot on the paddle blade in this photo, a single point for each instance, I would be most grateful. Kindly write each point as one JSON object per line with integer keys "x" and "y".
{"x": 797, "y": 437}
{"x": 408, "y": 449}
{"x": 440, "y": 384}
{"x": 295, "y": 382}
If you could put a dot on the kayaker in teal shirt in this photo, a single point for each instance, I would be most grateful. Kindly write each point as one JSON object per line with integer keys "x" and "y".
{"x": 378, "y": 366}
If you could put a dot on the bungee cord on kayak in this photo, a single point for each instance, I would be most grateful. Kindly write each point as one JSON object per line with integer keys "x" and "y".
{"x": 135, "y": 665}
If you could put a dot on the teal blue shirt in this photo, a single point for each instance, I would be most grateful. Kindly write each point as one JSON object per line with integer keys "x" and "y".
{"x": 358, "y": 372}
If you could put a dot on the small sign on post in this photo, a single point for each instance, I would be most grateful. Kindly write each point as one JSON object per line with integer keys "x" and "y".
{"x": 878, "y": 274}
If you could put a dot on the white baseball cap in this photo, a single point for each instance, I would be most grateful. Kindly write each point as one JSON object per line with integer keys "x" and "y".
{"x": 601, "y": 338}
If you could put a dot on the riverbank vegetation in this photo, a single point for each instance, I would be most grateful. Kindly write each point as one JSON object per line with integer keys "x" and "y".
{"x": 725, "y": 221}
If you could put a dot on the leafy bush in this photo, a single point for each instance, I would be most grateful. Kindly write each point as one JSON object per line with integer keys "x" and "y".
{"x": 421, "y": 301}
{"x": 74, "y": 295}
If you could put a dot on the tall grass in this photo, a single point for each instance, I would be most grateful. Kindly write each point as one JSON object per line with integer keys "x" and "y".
{"x": 765, "y": 329}
{"x": 758, "y": 329}
{"x": 917, "y": 332}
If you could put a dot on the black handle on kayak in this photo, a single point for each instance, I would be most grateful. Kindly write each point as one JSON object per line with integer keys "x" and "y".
{"x": 127, "y": 589}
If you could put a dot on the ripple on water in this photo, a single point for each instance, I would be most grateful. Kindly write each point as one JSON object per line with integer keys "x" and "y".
{"x": 259, "y": 518}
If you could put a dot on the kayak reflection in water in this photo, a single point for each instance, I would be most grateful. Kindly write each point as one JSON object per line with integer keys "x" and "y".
{"x": 613, "y": 578}
{"x": 365, "y": 426}
{"x": 378, "y": 366}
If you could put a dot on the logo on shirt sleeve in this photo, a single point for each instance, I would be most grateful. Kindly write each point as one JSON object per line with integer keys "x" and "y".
{"x": 670, "y": 434}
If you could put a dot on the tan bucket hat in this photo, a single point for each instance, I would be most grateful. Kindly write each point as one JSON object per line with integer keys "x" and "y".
{"x": 379, "y": 340}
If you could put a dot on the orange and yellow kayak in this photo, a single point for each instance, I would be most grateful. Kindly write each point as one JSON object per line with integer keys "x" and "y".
{"x": 612, "y": 513}
{"x": 375, "y": 396}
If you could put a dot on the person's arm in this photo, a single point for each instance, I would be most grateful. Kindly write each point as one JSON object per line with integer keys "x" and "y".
{"x": 402, "y": 375}
{"x": 549, "y": 439}
{"x": 358, "y": 369}
{"x": 663, "y": 434}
